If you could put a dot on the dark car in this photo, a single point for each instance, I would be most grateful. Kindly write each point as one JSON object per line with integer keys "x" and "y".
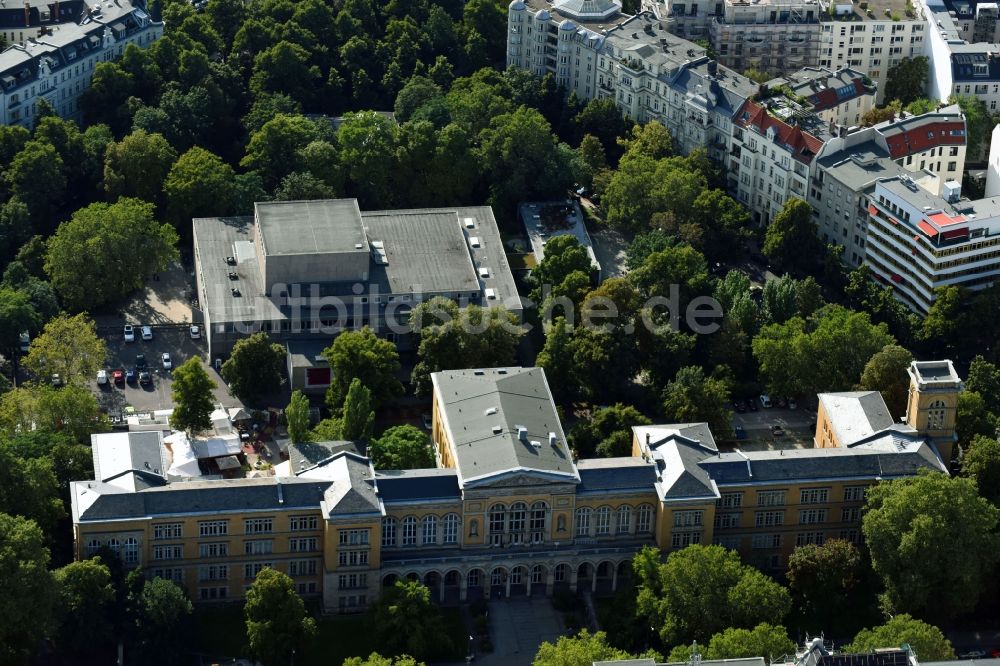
{"x": 781, "y": 403}
{"x": 145, "y": 378}
{"x": 752, "y": 404}
{"x": 740, "y": 432}
{"x": 777, "y": 430}
{"x": 130, "y": 376}
{"x": 140, "y": 361}
{"x": 740, "y": 406}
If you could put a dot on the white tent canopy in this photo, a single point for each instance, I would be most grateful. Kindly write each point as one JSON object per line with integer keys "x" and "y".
{"x": 185, "y": 462}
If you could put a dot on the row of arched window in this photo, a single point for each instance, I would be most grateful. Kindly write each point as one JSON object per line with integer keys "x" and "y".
{"x": 427, "y": 531}
{"x": 604, "y": 520}
{"x": 127, "y": 549}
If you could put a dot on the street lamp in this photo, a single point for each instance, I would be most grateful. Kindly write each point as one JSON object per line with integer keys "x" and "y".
{"x": 469, "y": 657}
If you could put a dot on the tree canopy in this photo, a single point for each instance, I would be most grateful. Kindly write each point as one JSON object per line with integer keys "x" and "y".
{"x": 406, "y": 621}
{"x": 608, "y": 431}
{"x": 933, "y": 541}
{"x": 885, "y": 372}
{"x": 29, "y": 592}
{"x": 402, "y": 447}
{"x": 276, "y": 618}
{"x": 68, "y": 346}
{"x": 254, "y": 367}
{"x": 192, "y": 395}
{"x": 365, "y": 356}
{"x": 924, "y": 639}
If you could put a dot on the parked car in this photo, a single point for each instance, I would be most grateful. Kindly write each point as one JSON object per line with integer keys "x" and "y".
{"x": 765, "y": 401}
{"x": 130, "y": 376}
{"x": 146, "y": 378}
{"x": 740, "y": 432}
{"x": 102, "y": 377}
{"x": 792, "y": 404}
{"x": 147, "y": 332}
{"x": 425, "y": 420}
{"x": 167, "y": 363}
{"x": 25, "y": 339}
{"x": 118, "y": 376}
{"x": 973, "y": 654}
{"x": 57, "y": 379}
{"x": 777, "y": 430}
{"x": 781, "y": 403}
{"x": 140, "y": 361}
{"x": 740, "y": 406}
{"x": 129, "y": 333}
{"x": 995, "y": 653}
{"x": 752, "y": 404}
{"x": 195, "y": 332}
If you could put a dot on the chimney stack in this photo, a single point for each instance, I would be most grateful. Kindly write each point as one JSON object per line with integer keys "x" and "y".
{"x": 27, "y": 14}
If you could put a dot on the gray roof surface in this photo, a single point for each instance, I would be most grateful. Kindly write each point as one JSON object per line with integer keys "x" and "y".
{"x": 307, "y": 353}
{"x": 557, "y": 16}
{"x": 418, "y": 484}
{"x": 676, "y": 449}
{"x": 353, "y": 490}
{"x": 310, "y": 227}
{"x": 426, "y": 248}
{"x": 94, "y": 501}
{"x": 860, "y": 166}
{"x": 885, "y": 457}
{"x": 929, "y": 372}
{"x": 115, "y": 454}
{"x": 476, "y": 402}
{"x": 305, "y": 455}
{"x": 615, "y": 474}
{"x": 855, "y": 415}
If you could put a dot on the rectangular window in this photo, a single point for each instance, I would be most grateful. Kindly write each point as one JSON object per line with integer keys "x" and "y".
{"x": 353, "y": 537}
{"x": 302, "y": 568}
{"x": 303, "y": 523}
{"x": 727, "y": 520}
{"x": 766, "y": 541}
{"x": 730, "y": 501}
{"x": 681, "y": 539}
{"x": 806, "y": 538}
{"x": 213, "y": 572}
{"x": 688, "y": 519}
{"x": 771, "y": 498}
{"x": 812, "y": 516}
{"x": 251, "y": 569}
{"x": 303, "y": 545}
{"x": 850, "y": 535}
{"x": 174, "y": 552}
{"x": 352, "y": 581}
{"x": 353, "y": 558}
{"x": 451, "y": 529}
{"x": 850, "y": 514}
{"x": 729, "y": 542}
{"x": 176, "y": 574}
{"x": 212, "y": 593}
{"x": 213, "y": 528}
{"x": 213, "y": 550}
{"x": 309, "y": 587}
{"x": 814, "y": 496}
{"x": 167, "y": 531}
{"x": 644, "y": 519}
{"x": 258, "y": 526}
{"x": 854, "y": 493}
{"x": 258, "y": 547}
{"x": 769, "y": 518}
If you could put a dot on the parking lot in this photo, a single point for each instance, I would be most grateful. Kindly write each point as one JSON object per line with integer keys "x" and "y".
{"x": 175, "y": 340}
{"x": 798, "y": 425}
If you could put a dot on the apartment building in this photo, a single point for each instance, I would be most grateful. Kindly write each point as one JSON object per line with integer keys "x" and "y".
{"x": 930, "y": 149}
{"x": 918, "y": 241}
{"x": 20, "y": 21}
{"x": 56, "y": 62}
{"x": 508, "y": 511}
{"x": 305, "y": 270}
{"x": 776, "y": 36}
{"x": 840, "y": 97}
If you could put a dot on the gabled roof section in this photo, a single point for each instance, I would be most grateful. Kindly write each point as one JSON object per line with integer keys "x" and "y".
{"x": 915, "y": 134}
{"x": 600, "y": 475}
{"x": 676, "y": 450}
{"x": 855, "y": 415}
{"x": 353, "y": 491}
{"x": 503, "y": 421}
{"x": 802, "y": 145}
{"x": 118, "y": 453}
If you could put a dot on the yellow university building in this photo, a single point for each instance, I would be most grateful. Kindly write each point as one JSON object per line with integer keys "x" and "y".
{"x": 508, "y": 511}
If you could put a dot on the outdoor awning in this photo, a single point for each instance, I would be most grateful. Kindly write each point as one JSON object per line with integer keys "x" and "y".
{"x": 955, "y": 233}
{"x": 927, "y": 228}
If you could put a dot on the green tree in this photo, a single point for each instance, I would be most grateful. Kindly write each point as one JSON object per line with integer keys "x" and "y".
{"x": 649, "y": 140}
{"x": 358, "y": 413}
{"x": 924, "y": 639}
{"x": 886, "y": 372}
{"x": 269, "y": 147}
{"x": 17, "y": 315}
{"x": 85, "y": 597}
{"x": 984, "y": 378}
{"x": 104, "y": 100}
{"x": 15, "y": 227}
{"x": 978, "y": 124}
{"x": 933, "y": 542}
{"x": 71, "y": 410}
{"x": 368, "y": 144}
{"x": 375, "y": 659}
{"x": 29, "y": 488}
{"x": 584, "y": 649}
{"x": 137, "y": 166}
{"x": 276, "y": 617}
{"x": 35, "y": 176}
{"x": 106, "y": 251}
{"x": 791, "y": 240}
{"x": 406, "y": 621}
{"x": 981, "y": 462}
{"x": 564, "y": 257}
{"x": 907, "y": 80}
{"x": 297, "y": 416}
{"x": 254, "y": 367}
{"x": 402, "y": 447}
{"x": 693, "y": 397}
{"x": 29, "y": 595}
{"x": 284, "y": 68}
{"x": 602, "y": 118}
{"x": 556, "y": 358}
{"x": 192, "y": 395}
{"x": 941, "y": 326}
{"x": 823, "y": 575}
{"x": 365, "y": 356}
{"x": 645, "y": 244}
{"x": 973, "y": 418}
{"x": 764, "y": 640}
{"x": 199, "y": 184}
{"x": 827, "y": 352}
{"x": 67, "y": 346}
{"x": 161, "y": 613}
{"x": 608, "y": 432}
{"x": 702, "y": 590}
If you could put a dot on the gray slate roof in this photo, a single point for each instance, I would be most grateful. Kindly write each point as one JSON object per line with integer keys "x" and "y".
{"x": 855, "y": 415}
{"x": 353, "y": 491}
{"x": 482, "y": 411}
{"x": 306, "y": 455}
{"x": 94, "y": 501}
{"x": 417, "y": 484}
{"x": 598, "y": 475}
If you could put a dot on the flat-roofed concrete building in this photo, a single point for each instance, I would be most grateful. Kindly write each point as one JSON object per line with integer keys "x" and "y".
{"x": 305, "y": 270}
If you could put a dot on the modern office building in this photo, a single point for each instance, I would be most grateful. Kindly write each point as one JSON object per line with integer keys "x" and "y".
{"x": 508, "y": 511}
{"x": 56, "y": 61}
{"x": 305, "y": 270}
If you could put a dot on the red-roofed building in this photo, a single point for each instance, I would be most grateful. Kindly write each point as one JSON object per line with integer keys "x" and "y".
{"x": 773, "y": 160}
{"x": 840, "y": 97}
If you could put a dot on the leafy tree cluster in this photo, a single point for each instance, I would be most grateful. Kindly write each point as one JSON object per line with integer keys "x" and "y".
{"x": 584, "y": 649}
{"x": 407, "y": 622}
{"x": 764, "y": 640}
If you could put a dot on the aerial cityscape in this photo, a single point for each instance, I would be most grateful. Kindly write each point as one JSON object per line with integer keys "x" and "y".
{"x": 507, "y": 332}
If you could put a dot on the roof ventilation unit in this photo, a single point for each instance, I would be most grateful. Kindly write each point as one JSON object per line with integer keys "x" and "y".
{"x": 522, "y": 433}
